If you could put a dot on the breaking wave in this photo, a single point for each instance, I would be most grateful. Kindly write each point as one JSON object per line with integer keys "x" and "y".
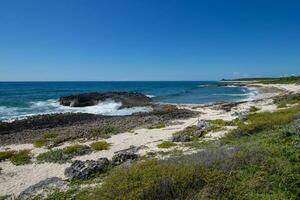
{"x": 110, "y": 108}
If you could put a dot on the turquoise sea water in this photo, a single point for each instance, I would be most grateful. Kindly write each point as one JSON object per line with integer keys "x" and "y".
{"x": 21, "y": 99}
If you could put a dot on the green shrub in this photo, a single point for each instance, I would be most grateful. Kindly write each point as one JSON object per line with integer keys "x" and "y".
{"x": 6, "y": 197}
{"x": 101, "y": 145}
{"x": 4, "y": 155}
{"x": 266, "y": 120}
{"x": 282, "y": 102}
{"x": 217, "y": 125}
{"x": 105, "y": 132}
{"x": 55, "y": 156}
{"x": 157, "y": 125}
{"x": 40, "y": 142}
{"x": 253, "y": 109}
{"x": 282, "y": 80}
{"x": 150, "y": 180}
{"x": 276, "y": 175}
{"x": 50, "y": 135}
{"x": 45, "y": 139}
{"x": 21, "y": 157}
{"x": 166, "y": 144}
{"x": 77, "y": 149}
{"x": 63, "y": 155}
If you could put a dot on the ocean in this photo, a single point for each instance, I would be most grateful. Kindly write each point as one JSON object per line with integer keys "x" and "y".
{"x": 23, "y": 99}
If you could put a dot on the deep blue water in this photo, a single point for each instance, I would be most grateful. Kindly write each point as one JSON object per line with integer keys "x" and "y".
{"x": 20, "y": 99}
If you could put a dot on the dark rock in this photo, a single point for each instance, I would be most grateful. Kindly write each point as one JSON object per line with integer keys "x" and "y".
{"x": 127, "y": 99}
{"x": 181, "y": 138}
{"x": 86, "y": 169}
{"x": 203, "y": 125}
{"x": 228, "y": 106}
{"x": 296, "y": 144}
{"x": 243, "y": 115}
{"x": 123, "y": 156}
{"x": 49, "y": 183}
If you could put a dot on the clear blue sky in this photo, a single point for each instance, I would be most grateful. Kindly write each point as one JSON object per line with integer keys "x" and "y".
{"x": 148, "y": 39}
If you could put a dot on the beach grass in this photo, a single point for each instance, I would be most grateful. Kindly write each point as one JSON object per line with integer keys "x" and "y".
{"x": 282, "y": 102}
{"x": 21, "y": 157}
{"x": 157, "y": 125}
{"x": 65, "y": 154}
{"x": 253, "y": 109}
{"x": 4, "y": 155}
{"x": 166, "y": 145}
{"x": 105, "y": 132}
{"x": 45, "y": 139}
{"x": 100, "y": 145}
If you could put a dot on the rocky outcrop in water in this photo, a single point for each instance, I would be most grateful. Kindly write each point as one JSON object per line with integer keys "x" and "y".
{"x": 128, "y": 99}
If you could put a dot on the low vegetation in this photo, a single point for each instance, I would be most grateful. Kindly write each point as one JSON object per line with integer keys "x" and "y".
{"x": 282, "y": 102}
{"x": 105, "y": 132}
{"x": 264, "y": 80}
{"x": 282, "y": 80}
{"x": 253, "y": 109}
{"x": 65, "y": 154}
{"x": 4, "y": 155}
{"x": 166, "y": 144}
{"x": 151, "y": 180}
{"x": 21, "y": 157}
{"x": 47, "y": 137}
{"x": 157, "y": 125}
{"x": 101, "y": 145}
{"x": 217, "y": 125}
{"x": 266, "y": 120}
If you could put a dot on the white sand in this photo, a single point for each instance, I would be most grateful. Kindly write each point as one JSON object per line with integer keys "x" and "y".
{"x": 15, "y": 179}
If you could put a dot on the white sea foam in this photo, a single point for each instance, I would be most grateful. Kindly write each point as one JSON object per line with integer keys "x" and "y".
{"x": 200, "y": 86}
{"x": 222, "y": 94}
{"x": 110, "y": 108}
{"x": 150, "y": 96}
{"x": 252, "y": 93}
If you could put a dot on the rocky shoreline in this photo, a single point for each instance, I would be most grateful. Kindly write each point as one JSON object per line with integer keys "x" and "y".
{"x": 72, "y": 126}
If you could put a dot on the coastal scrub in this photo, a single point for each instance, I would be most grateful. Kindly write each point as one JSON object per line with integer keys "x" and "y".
{"x": 100, "y": 145}
{"x": 157, "y": 125}
{"x": 45, "y": 139}
{"x": 166, "y": 144}
{"x": 21, "y": 157}
{"x": 65, "y": 154}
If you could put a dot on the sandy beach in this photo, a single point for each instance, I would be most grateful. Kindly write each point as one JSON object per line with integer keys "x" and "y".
{"x": 15, "y": 179}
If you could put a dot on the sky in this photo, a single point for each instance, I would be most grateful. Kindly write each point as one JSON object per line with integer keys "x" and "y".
{"x": 111, "y": 40}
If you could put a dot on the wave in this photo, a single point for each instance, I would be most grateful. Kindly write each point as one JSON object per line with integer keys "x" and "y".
{"x": 150, "y": 96}
{"x": 252, "y": 93}
{"x": 110, "y": 108}
{"x": 200, "y": 86}
{"x": 230, "y": 94}
{"x": 230, "y": 86}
